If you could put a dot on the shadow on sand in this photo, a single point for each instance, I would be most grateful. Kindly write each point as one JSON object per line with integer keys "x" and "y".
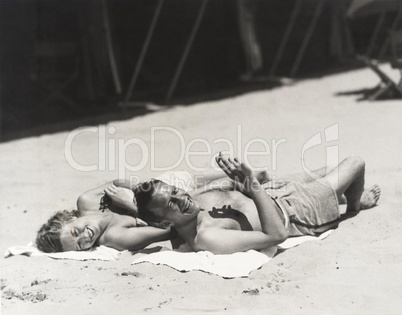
{"x": 57, "y": 117}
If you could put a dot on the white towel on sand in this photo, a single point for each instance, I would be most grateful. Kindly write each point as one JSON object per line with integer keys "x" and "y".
{"x": 226, "y": 266}
{"x": 294, "y": 241}
{"x": 98, "y": 253}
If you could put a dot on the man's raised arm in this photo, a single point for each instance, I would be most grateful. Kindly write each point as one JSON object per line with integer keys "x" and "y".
{"x": 273, "y": 229}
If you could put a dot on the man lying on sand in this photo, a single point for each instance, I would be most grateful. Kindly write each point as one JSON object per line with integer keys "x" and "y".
{"x": 107, "y": 215}
{"x": 226, "y": 221}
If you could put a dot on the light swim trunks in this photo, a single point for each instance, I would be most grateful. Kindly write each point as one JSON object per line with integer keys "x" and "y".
{"x": 311, "y": 208}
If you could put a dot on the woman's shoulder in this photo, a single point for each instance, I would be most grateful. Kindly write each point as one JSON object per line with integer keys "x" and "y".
{"x": 122, "y": 221}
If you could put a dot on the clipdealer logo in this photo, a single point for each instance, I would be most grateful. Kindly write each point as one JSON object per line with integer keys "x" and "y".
{"x": 110, "y": 147}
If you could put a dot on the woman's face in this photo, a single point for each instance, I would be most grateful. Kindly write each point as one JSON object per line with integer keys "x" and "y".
{"x": 80, "y": 233}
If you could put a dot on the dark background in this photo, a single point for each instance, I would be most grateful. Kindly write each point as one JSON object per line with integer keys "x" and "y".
{"x": 213, "y": 68}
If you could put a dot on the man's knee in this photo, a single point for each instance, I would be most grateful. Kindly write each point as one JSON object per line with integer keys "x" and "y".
{"x": 357, "y": 162}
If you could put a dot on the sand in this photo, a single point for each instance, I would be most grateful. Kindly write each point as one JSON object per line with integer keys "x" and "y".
{"x": 356, "y": 270}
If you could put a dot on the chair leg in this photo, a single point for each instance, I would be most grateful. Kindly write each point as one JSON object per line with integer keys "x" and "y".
{"x": 380, "y": 91}
{"x": 369, "y": 63}
{"x": 389, "y": 88}
{"x": 389, "y": 84}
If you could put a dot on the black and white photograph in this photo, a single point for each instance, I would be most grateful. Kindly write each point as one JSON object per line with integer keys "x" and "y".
{"x": 199, "y": 156}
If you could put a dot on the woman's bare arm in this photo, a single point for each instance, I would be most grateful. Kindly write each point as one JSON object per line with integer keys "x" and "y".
{"x": 89, "y": 200}
{"x": 136, "y": 238}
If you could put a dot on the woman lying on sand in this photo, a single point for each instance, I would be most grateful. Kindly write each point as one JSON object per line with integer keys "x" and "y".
{"x": 107, "y": 215}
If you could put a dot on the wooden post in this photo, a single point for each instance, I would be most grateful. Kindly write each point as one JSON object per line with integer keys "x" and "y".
{"x": 186, "y": 50}
{"x": 285, "y": 39}
{"x": 307, "y": 38}
{"x": 387, "y": 40}
{"x": 373, "y": 39}
{"x": 144, "y": 51}
{"x": 109, "y": 44}
{"x": 349, "y": 39}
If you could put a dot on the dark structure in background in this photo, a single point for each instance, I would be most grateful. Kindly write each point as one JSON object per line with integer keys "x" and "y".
{"x": 64, "y": 60}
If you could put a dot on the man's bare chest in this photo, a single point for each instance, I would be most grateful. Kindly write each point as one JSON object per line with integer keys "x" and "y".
{"x": 228, "y": 210}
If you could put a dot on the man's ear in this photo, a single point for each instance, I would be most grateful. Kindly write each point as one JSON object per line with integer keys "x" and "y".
{"x": 162, "y": 225}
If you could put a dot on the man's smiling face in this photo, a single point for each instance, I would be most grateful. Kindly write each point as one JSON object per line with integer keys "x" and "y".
{"x": 172, "y": 204}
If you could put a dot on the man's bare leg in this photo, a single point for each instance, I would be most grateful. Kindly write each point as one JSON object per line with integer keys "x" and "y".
{"x": 305, "y": 177}
{"x": 348, "y": 179}
{"x": 277, "y": 183}
{"x": 368, "y": 200}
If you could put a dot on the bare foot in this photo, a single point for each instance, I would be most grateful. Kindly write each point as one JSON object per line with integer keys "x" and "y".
{"x": 370, "y": 197}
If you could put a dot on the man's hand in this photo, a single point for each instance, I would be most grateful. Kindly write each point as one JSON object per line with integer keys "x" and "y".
{"x": 239, "y": 172}
{"x": 121, "y": 197}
